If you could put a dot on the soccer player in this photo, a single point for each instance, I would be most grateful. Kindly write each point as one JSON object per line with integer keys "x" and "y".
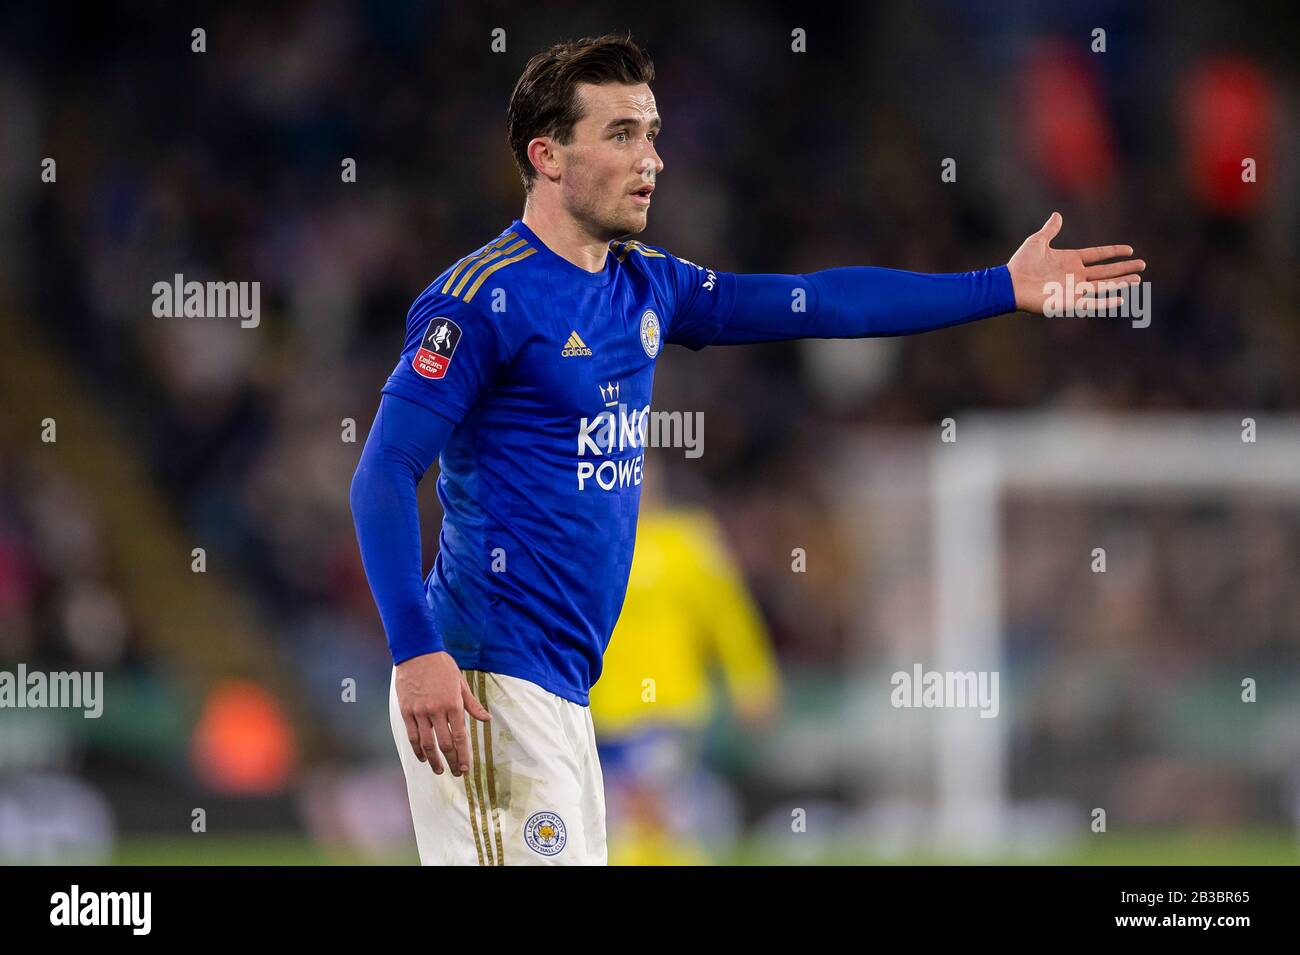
{"x": 527, "y": 372}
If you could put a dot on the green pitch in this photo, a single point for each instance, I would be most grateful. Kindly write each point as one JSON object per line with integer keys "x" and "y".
{"x": 1258, "y": 847}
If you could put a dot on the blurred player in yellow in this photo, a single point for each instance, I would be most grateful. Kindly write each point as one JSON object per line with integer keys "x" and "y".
{"x": 688, "y": 624}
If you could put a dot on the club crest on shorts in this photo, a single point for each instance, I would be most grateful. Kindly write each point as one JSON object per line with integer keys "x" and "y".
{"x": 544, "y": 832}
{"x": 439, "y": 344}
{"x": 650, "y": 332}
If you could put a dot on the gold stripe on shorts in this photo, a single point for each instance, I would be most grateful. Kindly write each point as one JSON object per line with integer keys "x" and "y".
{"x": 473, "y": 823}
{"x": 478, "y": 788}
{"x": 491, "y": 771}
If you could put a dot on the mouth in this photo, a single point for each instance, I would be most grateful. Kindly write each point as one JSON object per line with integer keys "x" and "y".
{"x": 641, "y": 196}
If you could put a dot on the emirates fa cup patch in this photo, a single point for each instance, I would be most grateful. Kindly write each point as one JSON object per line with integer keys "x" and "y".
{"x": 440, "y": 341}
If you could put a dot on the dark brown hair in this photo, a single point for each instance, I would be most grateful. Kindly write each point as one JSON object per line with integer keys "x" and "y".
{"x": 545, "y": 100}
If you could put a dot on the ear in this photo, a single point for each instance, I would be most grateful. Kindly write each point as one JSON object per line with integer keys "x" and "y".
{"x": 542, "y": 153}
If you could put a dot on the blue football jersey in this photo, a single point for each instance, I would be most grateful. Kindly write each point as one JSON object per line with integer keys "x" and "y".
{"x": 547, "y": 370}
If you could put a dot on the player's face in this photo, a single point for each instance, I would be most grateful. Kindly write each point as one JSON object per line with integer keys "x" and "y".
{"x": 611, "y": 163}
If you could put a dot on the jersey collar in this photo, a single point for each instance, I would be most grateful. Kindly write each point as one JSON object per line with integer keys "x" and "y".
{"x": 562, "y": 265}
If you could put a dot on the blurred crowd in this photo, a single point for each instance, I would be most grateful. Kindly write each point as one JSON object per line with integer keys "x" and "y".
{"x": 227, "y": 165}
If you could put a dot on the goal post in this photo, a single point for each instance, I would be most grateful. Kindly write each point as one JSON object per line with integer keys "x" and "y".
{"x": 916, "y": 489}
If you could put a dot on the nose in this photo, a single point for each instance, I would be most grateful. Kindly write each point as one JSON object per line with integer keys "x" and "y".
{"x": 649, "y": 159}
{"x": 659, "y": 163}
{"x": 648, "y": 163}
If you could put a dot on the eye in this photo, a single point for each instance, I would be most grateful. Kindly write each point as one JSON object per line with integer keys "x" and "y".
{"x": 620, "y": 137}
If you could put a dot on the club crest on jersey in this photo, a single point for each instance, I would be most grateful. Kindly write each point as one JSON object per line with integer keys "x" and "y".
{"x": 544, "y": 832}
{"x": 439, "y": 344}
{"x": 650, "y": 332}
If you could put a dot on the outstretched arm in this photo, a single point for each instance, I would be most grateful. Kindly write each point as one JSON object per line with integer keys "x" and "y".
{"x": 861, "y": 302}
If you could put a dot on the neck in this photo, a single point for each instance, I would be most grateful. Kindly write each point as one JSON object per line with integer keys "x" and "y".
{"x": 565, "y": 236}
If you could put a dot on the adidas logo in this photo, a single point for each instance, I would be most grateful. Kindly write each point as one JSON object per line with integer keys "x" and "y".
{"x": 574, "y": 347}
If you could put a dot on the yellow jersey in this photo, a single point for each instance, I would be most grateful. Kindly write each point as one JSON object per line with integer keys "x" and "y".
{"x": 687, "y": 615}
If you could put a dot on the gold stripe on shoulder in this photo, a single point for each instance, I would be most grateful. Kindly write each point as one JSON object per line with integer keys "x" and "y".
{"x": 632, "y": 245}
{"x": 499, "y": 264}
{"x": 483, "y": 262}
{"x": 469, "y": 260}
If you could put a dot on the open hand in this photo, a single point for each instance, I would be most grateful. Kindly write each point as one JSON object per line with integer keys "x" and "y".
{"x": 1036, "y": 266}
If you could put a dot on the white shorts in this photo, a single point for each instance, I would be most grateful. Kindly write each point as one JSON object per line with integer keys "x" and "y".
{"x": 534, "y": 794}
